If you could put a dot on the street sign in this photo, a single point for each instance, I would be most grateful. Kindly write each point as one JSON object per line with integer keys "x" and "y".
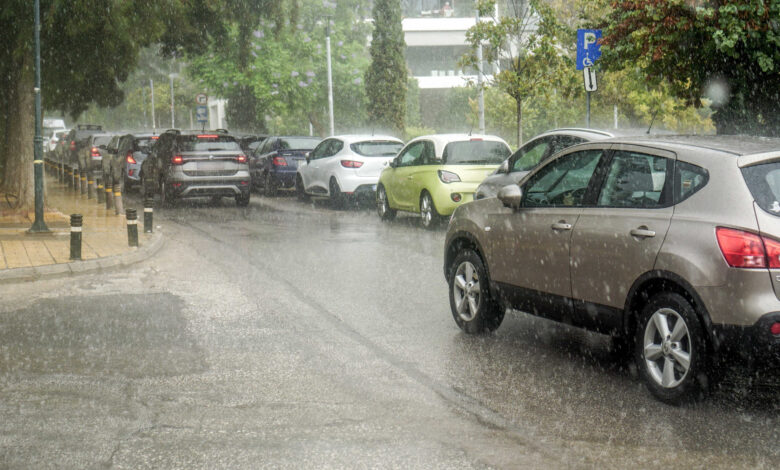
{"x": 588, "y": 48}
{"x": 590, "y": 78}
{"x": 201, "y": 99}
{"x": 202, "y": 114}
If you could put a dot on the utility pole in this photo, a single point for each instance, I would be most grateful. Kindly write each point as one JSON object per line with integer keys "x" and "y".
{"x": 154, "y": 124}
{"x": 480, "y": 80}
{"x": 143, "y": 105}
{"x": 173, "y": 121}
{"x": 39, "y": 225}
{"x": 330, "y": 76}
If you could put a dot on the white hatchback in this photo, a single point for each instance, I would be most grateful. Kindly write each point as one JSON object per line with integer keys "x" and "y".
{"x": 346, "y": 166}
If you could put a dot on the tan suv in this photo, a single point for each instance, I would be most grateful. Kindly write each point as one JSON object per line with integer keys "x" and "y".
{"x": 669, "y": 244}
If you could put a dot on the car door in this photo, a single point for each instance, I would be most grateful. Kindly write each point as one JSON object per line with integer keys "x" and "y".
{"x": 530, "y": 246}
{"x": 618, "y": 239}
{"x": 398, "y": 183}
{"x": 329, "y": 162}
{"x": 314, "y": 167}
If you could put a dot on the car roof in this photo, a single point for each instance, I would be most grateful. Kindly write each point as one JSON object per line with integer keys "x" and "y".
{"x": 737, "y": 145}
{"x": 440, "y": 140}
{"x": 353, "y": 138}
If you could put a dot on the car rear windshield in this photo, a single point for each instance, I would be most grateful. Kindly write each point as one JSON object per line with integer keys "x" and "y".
{"x": 376, "y": 148}
{"x": 469, "y": 152}
{"x": 298, "y": 143}
{"x": 102, "y": 140}
{"x": 764, "y": 183}
{"x": 206, "y": 142}
{"x": 142, "y": 144}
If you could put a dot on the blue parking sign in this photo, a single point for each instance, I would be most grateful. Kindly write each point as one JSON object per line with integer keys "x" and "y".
{"x": 588, "y": 47}
{"x": 202, "y": 114}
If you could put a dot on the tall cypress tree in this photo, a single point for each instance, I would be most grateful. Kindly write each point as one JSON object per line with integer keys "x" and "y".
{"x": 386, "y": 77}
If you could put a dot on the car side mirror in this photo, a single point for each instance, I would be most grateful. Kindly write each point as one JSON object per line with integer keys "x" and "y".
{"x": 393, "y": 163}
{"x": 504, "y": 168}
{"x": 308, "y": 157}
{"x": 511, "y": 196}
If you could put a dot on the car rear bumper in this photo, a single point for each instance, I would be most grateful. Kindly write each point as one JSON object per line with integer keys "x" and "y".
{"x": 754, "y": 343}
{"x": 352, "y": 183}
{"x": 445, "y": 195}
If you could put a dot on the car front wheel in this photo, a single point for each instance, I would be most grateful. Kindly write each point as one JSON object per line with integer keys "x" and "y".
{"x": 670, "y": 349}
{"x": 474, "y": 309}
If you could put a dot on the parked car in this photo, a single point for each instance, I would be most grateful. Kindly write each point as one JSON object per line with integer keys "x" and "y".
{"x": 91, "y": 154}
{"x": 250, "y": 142}
{"x": 127, "y": 153}
{"x": 669, "y": 244}
{"x": 274, "y": 164}
{"x": 185, "y": 164}
{"x": 346, "y": 166}
{"x": 77, "y": 141}
{"x": 534, "y": 152}
{"x": 435, "y": 174}
{"x": 50, "y": 143}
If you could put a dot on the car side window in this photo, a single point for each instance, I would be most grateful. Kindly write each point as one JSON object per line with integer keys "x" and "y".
{"x": 563, "y": 142}
{"x": 563, "y": 182}
{"x": 428, "y": 156}
{"x": 530, "y": 155}
{"x": 335, "y": 147}
{"x": 635, "y": 180}
{"x": 411, "y": 155}
{"x": 688, "y": 179}
{"x": 321, "y": 150}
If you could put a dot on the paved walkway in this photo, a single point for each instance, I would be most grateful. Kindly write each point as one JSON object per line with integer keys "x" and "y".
{"x": 104, "y": 235}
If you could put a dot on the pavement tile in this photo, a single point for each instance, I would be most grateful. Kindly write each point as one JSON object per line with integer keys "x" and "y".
{"x": 15, "y": 254}
{"x": 37, "y": 253}
{"x": 60, "y": 251}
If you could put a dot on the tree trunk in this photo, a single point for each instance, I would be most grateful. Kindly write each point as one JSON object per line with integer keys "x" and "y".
{"x": 18, "y": 150}
{"x": 519, "y": 122}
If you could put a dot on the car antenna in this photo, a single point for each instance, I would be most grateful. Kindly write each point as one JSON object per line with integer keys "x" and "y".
{"x": 652, "y": 120}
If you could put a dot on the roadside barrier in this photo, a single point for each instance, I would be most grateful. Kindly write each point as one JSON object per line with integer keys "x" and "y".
{"x": 101, "y": 192}
{"x": 90, "y": 188}
{"x": 109, "y": 196}
{"x": 132, "y": 227}
{"x": 75, "y": 236}
{"x": 148, "y": 215}
{"x": 83, "y": 183}
{"x": 118, "y": 205}
{"x": 76, "y": 179}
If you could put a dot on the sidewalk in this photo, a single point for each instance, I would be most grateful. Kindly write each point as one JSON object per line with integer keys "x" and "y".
{"x": 26, "y": 256}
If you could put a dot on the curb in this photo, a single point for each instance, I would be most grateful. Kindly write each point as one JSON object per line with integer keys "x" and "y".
{"x": 82, "y": 267}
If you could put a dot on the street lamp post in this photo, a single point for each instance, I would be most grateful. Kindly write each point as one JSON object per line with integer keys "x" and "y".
{"x": 39, "y": 225}
{"x": 330, "y": 76}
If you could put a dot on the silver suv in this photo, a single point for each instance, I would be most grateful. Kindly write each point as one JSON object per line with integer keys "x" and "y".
{"x": 669, "y": 244}
{"x": 185, "y": 164}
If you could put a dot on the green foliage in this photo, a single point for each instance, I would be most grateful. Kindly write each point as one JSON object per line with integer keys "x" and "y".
{"x": 387, "y": 74}
{"x": 705, "y": 49}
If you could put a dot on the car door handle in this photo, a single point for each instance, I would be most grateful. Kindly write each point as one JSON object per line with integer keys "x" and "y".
{"x": 642, "y": 232}
{"x": 562, "y": 225}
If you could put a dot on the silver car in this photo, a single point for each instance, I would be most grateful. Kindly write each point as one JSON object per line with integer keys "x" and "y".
{"x": 669, "y": 244}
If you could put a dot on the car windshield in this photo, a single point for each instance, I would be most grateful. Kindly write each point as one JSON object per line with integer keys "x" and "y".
{"x": 471, "y": 152}
{"x": 207, "y": 142}
{"x": 376, "y": 148}
{"x": 298, "y": 143}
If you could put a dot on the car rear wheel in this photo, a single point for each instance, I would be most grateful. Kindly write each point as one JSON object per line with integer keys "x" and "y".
{"x": 383, "y": 205}
{"x": 473, "y": 307}
{"x": 670, "y": 349}
{"x": 336, "y": 196}
{"x": 166, "y": 199}
{"x": 428, "y": 214}
{"x": 300, "y": 191}
{"x": 269, "y": 186}
{"x": 242, "y": 200}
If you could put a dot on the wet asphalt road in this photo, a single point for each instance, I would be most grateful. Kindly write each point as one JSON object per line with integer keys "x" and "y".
{"x": 290, "y": 335}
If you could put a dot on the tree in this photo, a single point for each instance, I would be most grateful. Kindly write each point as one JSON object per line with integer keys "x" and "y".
{"x": 525, "y": 44}
{"x": 387, "y": 75}
{"x": 727, "y": 51}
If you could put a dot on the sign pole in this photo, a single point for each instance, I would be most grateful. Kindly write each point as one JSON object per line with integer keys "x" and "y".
{"x": 587, "y": 115}
{"x": 39, "y": 225}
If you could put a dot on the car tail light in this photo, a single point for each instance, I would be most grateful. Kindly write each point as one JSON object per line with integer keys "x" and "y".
{"x": 130, "y": 158}
{"x": 155, "y": 137}
{"x": 351, "y": 164}
{"x": 94, "y": 152}
{"x": 448, "y": 176}
{"x": 775, "y": 328}
{"x": 177, "y": 160}
{"x": 279, "y": 161}
{"x": 73, "y": 145}
{"x": 748, "y": 250}
{"x": 207, "y": 136}
{"x": 456, "y": 197}
{"x": 241, "y": 158}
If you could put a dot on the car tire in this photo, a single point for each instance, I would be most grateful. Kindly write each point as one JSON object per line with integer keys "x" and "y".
{"x": 242, "y": 200}
{"x": 473, "y": 307}
{"x": 300, "y": 191}
{"x": 269, "y": 185}
{"x": 383, "y": 208}
{"x": 671, "y": 349}
{"x": 429, "y": 216}
{"x": 335, "y": 194}
{"x": 166, "y": 199}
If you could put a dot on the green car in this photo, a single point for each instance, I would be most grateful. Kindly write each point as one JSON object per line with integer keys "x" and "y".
{"x": 434, "y": 174}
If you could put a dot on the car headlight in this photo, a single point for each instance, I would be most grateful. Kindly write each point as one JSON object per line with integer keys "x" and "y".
{"x": 448, "y": 176}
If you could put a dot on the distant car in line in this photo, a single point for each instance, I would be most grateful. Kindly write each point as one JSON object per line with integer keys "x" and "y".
{"x": 274, "y": 163}
{"x": 346, "y": 167}
{"x": 127, "y": 153}
{"x": 434, "y": 174}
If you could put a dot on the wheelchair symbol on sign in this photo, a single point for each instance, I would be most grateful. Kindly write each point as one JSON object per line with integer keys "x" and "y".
{"x": 587, "y": 62}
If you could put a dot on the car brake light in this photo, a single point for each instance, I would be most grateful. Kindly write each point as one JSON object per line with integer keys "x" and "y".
{"x": 775, "y": 328}
{"x": 351, "y": 164}
{"x": 130, "y": 158}
{"x": 155, "y": 137}
{"x": 748, "y": 250}
{"x": 73, "y": 145}
{"x": 241, "y": 158}
{"x": 95, "y": 152}
{"x": 207, "y": 136}
{"x": 448, "y": 176}
{"x": 177, "y": 160}
{"x": 279, "y": 161}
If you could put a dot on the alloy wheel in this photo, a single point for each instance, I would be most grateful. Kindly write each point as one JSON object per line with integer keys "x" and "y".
{"x": 466, "y": 291}
{"x": 426, "y": 210}
{"x": 667, "y": 348}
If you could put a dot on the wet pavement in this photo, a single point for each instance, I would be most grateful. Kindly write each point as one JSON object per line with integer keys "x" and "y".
{"x": 290, "y": 335}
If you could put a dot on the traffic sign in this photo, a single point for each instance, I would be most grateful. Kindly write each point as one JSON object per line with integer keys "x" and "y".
{"x": 201, "y": 99}
{"x": 588, "y": 47}
{"x": 590, "y": 78}
{"x": 202, "y": 114}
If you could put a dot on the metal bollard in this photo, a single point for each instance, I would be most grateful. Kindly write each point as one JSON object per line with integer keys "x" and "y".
{"x": 90, "y": 188}
{"x": 75, "y": 178}
{"x": 132, "y": 227}
{"x": 83, "y": 183}
{"x": 118, "y": 204}
{"x": 148, "y": 215}
{"x": 75, "y": 236}
{"x": 109, "y": 196}
{"x": 101, "y": 191}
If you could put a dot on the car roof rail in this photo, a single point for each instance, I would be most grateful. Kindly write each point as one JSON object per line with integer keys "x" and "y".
{"x": 89, "y": 127}
{"x": 222, "y": 131}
